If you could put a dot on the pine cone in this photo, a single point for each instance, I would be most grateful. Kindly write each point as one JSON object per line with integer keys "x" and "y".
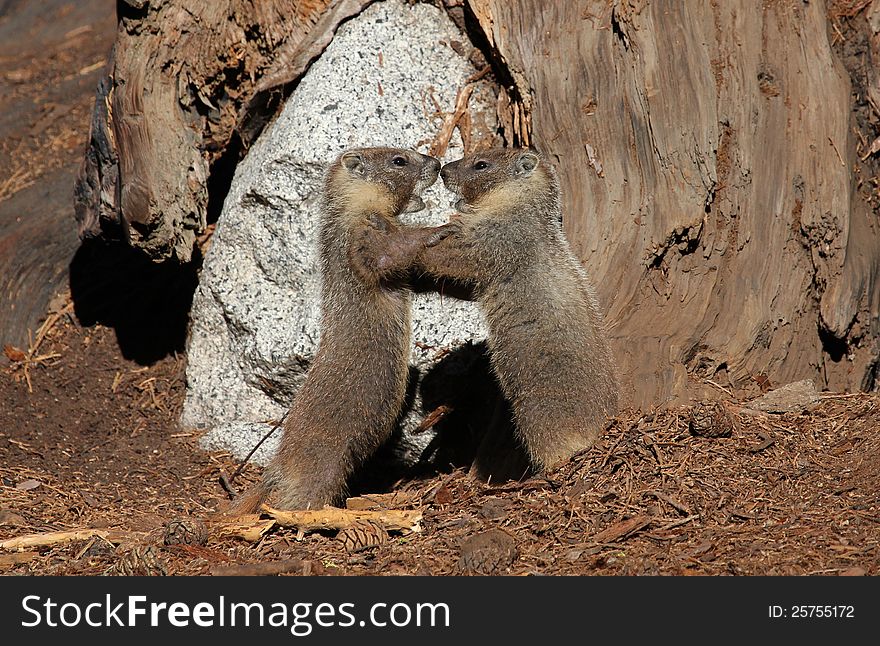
{"x": 711, "y": 419}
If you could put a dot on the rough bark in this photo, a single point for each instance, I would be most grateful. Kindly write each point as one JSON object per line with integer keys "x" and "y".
{"x": 166, "y": 112}
{"x": 36, "y": 245}
{"x": 710, "y": 184}
{"x": 50, "y": 57}
{"x": 712, "y": 178}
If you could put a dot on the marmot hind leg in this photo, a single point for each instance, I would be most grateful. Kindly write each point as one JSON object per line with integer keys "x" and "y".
{"x": 500, "y": 456}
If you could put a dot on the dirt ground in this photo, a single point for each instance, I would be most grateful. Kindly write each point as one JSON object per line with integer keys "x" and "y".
{"x": 93, "y": 443}
{"x": 89, "y": 440}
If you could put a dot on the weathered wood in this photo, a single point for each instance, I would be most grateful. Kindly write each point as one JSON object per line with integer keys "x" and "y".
{"x": 250, "y": 527}
{"x": 872, "y": 16}
{"x": 290, "y": 61}
{"x": 377, "y": 501}
{"x": 271, "y": 568}
{"x": 622, "y": 528}
{"x": 710, "y": 184}
{"x": 708, "y": 163}
{"x": 49, "y": 539}
{"x": 8, "y": 560}
{"x": 332, "y": 518}
{"x": 51, "y": 53}
{"x": 37, "y": 243}
{"x": 167, "y": 109}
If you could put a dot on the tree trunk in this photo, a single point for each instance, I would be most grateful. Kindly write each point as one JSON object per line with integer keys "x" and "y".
{"x": 714, "y": 171}
{"x": 51, "y": 53}
{"x": 711, "y": 184}
{"x": 166, "y": 113}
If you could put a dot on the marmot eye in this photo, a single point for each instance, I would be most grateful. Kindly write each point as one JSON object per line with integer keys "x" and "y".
{"x": 399, "y": 161}
{"x": 481, "y": 165}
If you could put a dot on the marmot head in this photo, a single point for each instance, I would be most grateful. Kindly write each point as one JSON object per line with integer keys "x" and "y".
{"x": 387, "y": 181}
{"x": 497, "y": 180}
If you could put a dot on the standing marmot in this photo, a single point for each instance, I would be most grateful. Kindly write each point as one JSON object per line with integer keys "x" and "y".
{"x": 355, "y": 387}
{"x": 547, "y": 340}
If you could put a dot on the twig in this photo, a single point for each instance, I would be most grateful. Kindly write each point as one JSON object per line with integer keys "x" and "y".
{"x": 677, "y": 523}
{"x": 56, "y": 538}
{"x": 767, "y": 441}
{"x": 333, "y": 518}
{"x": 831, "y": 141}
{"x": 608, "y": 453}
{"x": 253, "y": 450}
{"x": 258, "y": 569}
{"x": 450, "y": 120}
{"x": 433, "y": 418}
{"x": 846, "y": 396}
{"x": 837, "y": 29}
{"x": 227, "y": 485}
{"x": 718, "y": 386}
{"x": 374, "y": 501}
{"x": 17, "y": 557}
{"x": 670, "y": 501}
{"x": 476, "y": 76}
{"x": 250, "y": 528}
{"x": 47, "y": 325}
{"x": 622, "y": 528}
{"x": 26, "y": 359}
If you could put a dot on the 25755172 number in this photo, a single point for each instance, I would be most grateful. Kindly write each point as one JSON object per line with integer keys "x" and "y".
{"x": 812, "y": 612}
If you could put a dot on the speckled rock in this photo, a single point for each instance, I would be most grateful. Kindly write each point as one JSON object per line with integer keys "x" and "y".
{"x": 793, "y": 397}
{"x": 255, "y": 316}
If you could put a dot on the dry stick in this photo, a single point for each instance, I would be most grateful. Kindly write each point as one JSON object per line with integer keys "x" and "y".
{"x": 623, "y": 528}
{"x": 373, "y": 501}
{"x": 718, "y": 386}
{"x": 56, "y": 538}
{"x": 251, "y": 528}
{"x": 450, "y": 120}
{"x": 48, "y": 324}
{"x": 476, "y": 76}
{"x": 225, "y": 482}
{"x": 678, "y": 523}
{"x": 332, "y": 518}
{"x": 875, "y": 148}
{"x": 611, "y": 450}
{"x": 433, "y": 418}
{"x": 258, "y": 569}
{"x": 34, "y": 344}
{"x": 831, "y": 141}
{"x": 672, "y": 502}
{"x": 258, "y": 444}
{"x": 844, "y": 396}
{"x": 17, "y": 557}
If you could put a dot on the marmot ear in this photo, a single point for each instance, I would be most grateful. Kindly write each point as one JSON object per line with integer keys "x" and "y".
{"x": 527, "y": 162}
{"x": 354, "y": 162}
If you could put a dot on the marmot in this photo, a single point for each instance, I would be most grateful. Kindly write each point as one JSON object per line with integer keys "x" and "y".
{"x": 356, "y": 385}
{"x": 547, "y": 341}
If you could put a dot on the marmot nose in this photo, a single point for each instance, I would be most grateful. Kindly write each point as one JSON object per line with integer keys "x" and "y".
{"x": 432, "y": 162}
{"x": 449, "y": 169}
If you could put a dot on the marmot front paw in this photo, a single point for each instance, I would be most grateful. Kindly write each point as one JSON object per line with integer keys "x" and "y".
{"x": 439, "y": 234}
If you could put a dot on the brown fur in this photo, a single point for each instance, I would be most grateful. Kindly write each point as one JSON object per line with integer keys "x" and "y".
{"x": 355, "y": 388}
{"x": 547, "y": 341}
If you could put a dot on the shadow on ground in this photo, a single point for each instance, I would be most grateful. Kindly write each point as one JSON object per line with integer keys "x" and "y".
{"x": 146, "y": 303}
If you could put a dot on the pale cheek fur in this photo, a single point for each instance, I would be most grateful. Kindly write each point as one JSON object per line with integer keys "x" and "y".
{"x": 504, "y": 198}
{"x": 366, "y": 197}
